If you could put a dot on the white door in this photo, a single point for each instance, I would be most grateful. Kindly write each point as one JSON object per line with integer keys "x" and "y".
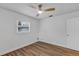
{"x": 73, "y": 33}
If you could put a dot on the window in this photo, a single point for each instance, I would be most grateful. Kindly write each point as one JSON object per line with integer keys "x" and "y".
{"x": 23, "y": 26}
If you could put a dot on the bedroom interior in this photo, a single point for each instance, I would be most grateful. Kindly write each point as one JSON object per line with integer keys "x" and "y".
{"x": 39, "y": 29}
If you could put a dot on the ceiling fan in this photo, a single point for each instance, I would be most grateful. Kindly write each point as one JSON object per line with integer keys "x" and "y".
{"x": 40, "y": 9}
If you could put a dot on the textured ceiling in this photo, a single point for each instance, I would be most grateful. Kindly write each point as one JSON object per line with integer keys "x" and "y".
{"x": 24, "y": 8}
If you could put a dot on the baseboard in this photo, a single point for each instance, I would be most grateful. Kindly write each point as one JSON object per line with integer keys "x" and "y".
{"x": 2, "y": 53}
{"x": 65, "y": 46}
{"x": 54, "y": 43}
{"x": 7, "y": 51}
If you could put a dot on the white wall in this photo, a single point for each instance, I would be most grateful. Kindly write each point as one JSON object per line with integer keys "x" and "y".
{"x": 54, "y": 30}
{"x": 9, "y": 38}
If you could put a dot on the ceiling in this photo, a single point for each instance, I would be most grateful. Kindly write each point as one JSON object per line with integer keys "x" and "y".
{"x": 24, "y": 8}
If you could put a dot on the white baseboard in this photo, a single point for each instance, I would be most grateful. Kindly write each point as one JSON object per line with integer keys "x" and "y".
{"x": 7, "y": 51}
{"x": 23, "y": 45}
{"x": 59, "y": 45}
{"x": 53, "y": 43}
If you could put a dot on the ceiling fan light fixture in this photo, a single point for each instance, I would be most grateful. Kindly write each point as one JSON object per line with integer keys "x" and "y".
{"x": 40, "y": 12}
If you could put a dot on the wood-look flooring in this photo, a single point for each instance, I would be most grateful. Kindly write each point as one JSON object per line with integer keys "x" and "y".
{"x": 43, "y": 49}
